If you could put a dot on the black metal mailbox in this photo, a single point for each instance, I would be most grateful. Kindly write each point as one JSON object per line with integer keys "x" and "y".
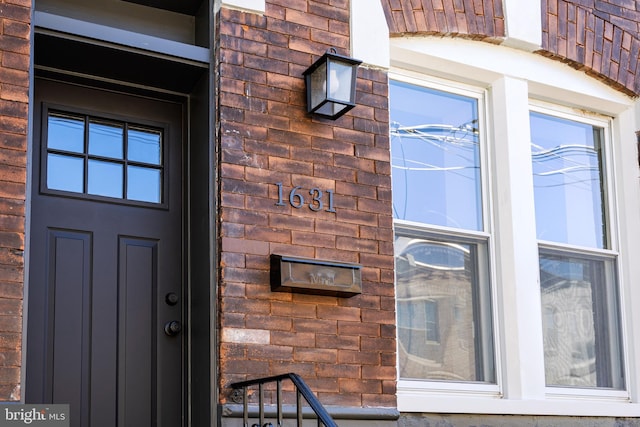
{"x": 312, "y": 276}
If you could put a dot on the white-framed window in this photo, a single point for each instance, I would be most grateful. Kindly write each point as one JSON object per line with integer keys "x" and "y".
{"x": 543, "y": 244}
{"x": 443, "y": 290}
{"x": 578, "y": 263}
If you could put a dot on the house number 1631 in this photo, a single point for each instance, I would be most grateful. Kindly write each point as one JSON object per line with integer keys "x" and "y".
{"x": 317, "y": 199}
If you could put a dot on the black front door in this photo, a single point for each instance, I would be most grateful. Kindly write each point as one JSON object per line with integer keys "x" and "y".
{"x": 105, "y": 304}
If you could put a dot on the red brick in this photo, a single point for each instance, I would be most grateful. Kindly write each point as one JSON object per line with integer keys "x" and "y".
{"x": 313, "y": 21}
{"x": 317, "y": 355}
{"x": 297, "y": 339}
{"x": 358, "y": 329}
{"x": 350, "y": 385}
{"x": 245, "y": 246}
{"x": 338, "y": 313}
{"x": 12, "y": 207}
{"x": 315, "y": 325}
{"x": 333, "y": 172}
{"x": 275, "y": 322}
{"x": 358, "y": 357}
{"x": 338, "y": 341}
{"x": 244, "y": 275}
{"x": 13, "y": 124}
{"x": 312, "y": 155}
{"x": 10, "y": 340}
{"x": 10, "y": 324}
{"x": 11, "y": 290}
{"x": 10, "y": 239}
{"x": 339, "y": 41}
{"x": 10, "y": 358}
{"x": 336, "y": 228}
{"x": 337, "y": 255}
{"x": 241, "y": 305}
{"x": 9, "y": 375}
{"x": 287, "y": 309}
{"x": 343, "y": 373}
{"x": 360, "y": 245}
{"x": 378, "y": 372}
{"x": 269, "y": 352}
{"x": 253, "y": 368}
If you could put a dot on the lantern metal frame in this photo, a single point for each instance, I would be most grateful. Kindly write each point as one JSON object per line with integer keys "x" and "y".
{"x": 320, "y": 101}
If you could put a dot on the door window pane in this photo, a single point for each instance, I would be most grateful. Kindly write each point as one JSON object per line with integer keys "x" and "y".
{"x": 65, "y": 133}
{"x": 580, "y": 322}
{"x": 435, "y": 157}
{"x": 106, "y": 140}
{"x": 65, "y": 173}
{"x": 568, "y": 183}
{"x": 444, "y": 322}
{"x": 143, "y": 184}
{"x": 143, "y": 146}
{"x": 105, "y": 179}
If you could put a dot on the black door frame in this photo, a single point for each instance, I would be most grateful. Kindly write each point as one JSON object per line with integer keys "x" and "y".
{"x": 198, "y": 201}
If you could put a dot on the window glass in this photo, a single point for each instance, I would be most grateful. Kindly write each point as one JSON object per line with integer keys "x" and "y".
{"x": 109, "y": 158}
{"x": 580, "y": 315}
{"x": 66, "y": 133}
{"x": 435, "y": 157}
{"x": 105, "y": 179}
{"x": 567, "y": 178}
{"x": 106, "y": 140}
{"x": 144, "y": 146}
{"x": 442, "y": 331}
{"x": 65, "y": 173}
{"x": 580, "y": 322}
{"x": 442, "y": 281}
{"x": 144, "y": 184}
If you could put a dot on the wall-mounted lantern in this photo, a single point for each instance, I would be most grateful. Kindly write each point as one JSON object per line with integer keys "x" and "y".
{"x": 331, "y": 85}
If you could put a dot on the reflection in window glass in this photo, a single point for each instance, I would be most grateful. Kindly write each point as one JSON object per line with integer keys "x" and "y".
{"x": 435, "y": 157}
{"x": 143, "y": 146}
{"x": 105, "y": 179}
{"x": 101, "y": 153}
{"x": 568, "y": 184}
{"x": 65, "y": 173}
{"x": 143, "y": 184}
{"x": 106, "y": 140}
{"x": 444, "y": 322}
{"x": 580, "y": 322}
{"x": 65, "y": 133}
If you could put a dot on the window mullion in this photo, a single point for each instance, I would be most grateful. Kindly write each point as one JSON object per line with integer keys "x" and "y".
{"x": 518, "y": 292}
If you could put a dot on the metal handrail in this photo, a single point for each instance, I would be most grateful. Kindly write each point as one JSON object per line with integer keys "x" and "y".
{"x": 302, "y": 391}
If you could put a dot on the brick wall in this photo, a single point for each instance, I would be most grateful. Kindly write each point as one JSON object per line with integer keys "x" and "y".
{"x": 14, "y": 81}
{"x": 477, "y": 19}
{"x": 599, "y": 37}
{"x": 344, "y": 348}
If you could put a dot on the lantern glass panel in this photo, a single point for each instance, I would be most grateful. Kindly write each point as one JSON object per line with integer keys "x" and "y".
{"x": 340, "y": 76}
{"x": 318, "y": 85}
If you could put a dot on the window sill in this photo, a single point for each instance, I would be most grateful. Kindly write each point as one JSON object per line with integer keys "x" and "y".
{"x": 417, "y": 398}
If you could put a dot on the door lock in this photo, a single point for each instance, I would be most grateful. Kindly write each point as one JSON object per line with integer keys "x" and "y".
{"x": 171, "y": 298}
{"x": 172, "y": 328}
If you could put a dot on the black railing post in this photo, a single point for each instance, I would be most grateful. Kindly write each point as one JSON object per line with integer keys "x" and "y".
{"x": 245, "y": 407}
{"x": 279, "y": 398}
{"x": 261, "y": 403}
{"x": 299, "y": 407}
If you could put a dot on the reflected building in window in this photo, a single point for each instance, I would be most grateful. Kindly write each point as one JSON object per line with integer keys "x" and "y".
{"x": 436, "y": 289}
